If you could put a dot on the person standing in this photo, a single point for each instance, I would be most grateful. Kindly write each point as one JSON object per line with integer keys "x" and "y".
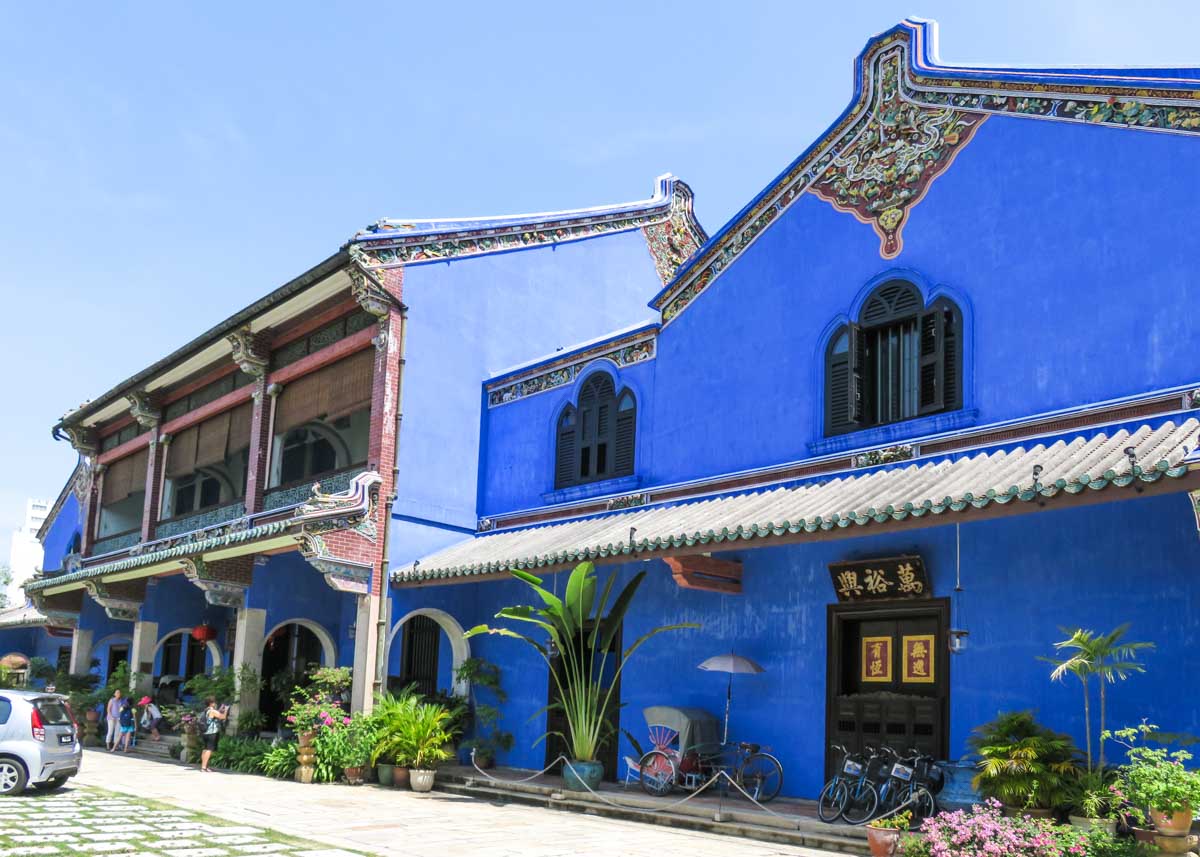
{"x": 210, "y": 729}
{"x": 112, "y": 717}
{"x": 127, "y": 721}
{"x": 151, "y": 717}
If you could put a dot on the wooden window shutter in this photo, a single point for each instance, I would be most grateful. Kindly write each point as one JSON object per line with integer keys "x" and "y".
{"x": 126, "y": 476}
{"x": 350, "y": 383}
{"x": 239, "y": 427}
{"x": 951, "y": 362}
{"x": 181, "y": 453}
{"x": 856, "y": 376}
{"x": 625, "y": 435}
{"x": 300, "y": 401}
{"x": 564, "y": 453}
{"x": 212, "y": 440}
{"x": 931, "y": 366}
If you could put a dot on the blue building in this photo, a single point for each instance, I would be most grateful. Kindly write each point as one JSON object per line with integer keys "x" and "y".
{"x": 236, "y": 502}
{"x": 928, "y": 397}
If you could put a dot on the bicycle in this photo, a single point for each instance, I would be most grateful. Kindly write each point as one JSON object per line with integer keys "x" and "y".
{"x": 862, "y": 800}
{"x": 833, "y": 799}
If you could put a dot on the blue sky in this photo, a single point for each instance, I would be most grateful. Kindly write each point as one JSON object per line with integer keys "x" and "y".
{"x": 164, "y": 165}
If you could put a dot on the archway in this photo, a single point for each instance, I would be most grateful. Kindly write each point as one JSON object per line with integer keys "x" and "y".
{"x": 108, "y": 653}
{"x": 427, "y": 661}
{"x": 181, "y": 656}
{"x": 289, "y": 650}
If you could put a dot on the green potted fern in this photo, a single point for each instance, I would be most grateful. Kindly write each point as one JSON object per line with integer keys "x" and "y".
{"x": 1024, "y": 765}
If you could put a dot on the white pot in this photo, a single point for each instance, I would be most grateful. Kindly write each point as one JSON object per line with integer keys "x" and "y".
{"x": 1083, "y": 823}
{"x": 421, "y": 781}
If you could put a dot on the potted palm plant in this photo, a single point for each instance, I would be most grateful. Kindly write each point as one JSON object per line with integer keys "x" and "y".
{"x": 390, "y": 751}
{"x": 1023, "y": 764}
{"x": 581, "y": 628}
{"x": 426, "y": 737}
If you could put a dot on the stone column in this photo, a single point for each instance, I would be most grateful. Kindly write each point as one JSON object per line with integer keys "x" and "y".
{"x": 141, "y": 657}
{"x": 81, "y": 651}
{"x": 362, "y": 690}
{"x": 248, "y": 638}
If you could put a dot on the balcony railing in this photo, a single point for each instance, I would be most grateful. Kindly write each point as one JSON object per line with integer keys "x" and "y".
{"x": 116, "y": 543}
{"x": 293, "y": 494}
{"x": 200, "y": 520}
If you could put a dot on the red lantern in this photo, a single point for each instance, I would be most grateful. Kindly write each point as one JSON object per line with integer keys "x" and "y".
{"x": 204, "y": 633}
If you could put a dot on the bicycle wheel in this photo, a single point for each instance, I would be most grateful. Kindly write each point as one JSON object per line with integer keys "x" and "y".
{"x": 833, "y": 800}
{"x": 924, "y": 804}
{"x": 657, "y": 773}
{"x": 862, "y": 803}
{"x": 761, "y": 776}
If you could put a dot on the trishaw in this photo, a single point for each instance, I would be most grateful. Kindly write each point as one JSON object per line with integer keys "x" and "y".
{"x": 688, "y": 752}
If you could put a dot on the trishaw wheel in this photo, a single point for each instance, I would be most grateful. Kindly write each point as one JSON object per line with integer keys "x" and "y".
{"x": 657, "y": 773}
{"x": 761, "y": 776}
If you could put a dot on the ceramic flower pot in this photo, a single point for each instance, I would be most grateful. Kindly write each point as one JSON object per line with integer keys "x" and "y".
{"x": 386, "y": 773}
{"x": 582, "y": 776}
{"x": 400, "y": 777}
{"x": 1172, "y": 824}
{"x": 1083, "y": 823}
{"x": 1174, "y": 844}
{"x": 355, "y": 775}
{"x": 421, "y": 781}
{"x": 883, "y": 843}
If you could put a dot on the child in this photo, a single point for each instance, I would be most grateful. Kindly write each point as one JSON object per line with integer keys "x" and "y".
{"x": 127, "y": 721}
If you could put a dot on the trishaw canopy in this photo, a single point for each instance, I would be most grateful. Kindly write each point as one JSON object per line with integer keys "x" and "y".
{"x": 698, "y": 730}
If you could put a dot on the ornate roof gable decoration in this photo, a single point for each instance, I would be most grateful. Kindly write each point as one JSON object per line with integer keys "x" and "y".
{"x": 887, "y": 167}
{"x": 1119, "y": 99}
{"x": 339, "y": 530}
{"x": 392, "y": 243}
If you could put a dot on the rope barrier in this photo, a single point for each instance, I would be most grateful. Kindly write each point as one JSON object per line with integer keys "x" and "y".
{"x": 640, "y": 807}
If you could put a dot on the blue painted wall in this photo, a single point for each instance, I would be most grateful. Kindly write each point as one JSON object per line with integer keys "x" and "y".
{"x": 177, "y": 605}
{"x": 1073, "y": 285}
{"x": 61, "y": 533}
{"x": 472, "y": 318}
{"x": 288, "y": 588}
{"x": 1089, "y": 566}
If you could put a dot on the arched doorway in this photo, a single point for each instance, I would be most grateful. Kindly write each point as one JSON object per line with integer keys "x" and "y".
{"x": 178, "y": 656}
{"x": 290, "y": 650}
{"x": 425, "y": 648}
{"x": 108, "y": 653}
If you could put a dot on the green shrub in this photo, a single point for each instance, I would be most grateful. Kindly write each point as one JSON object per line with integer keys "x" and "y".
{"x": 243, "y": 755}
{"x": 280, "y": 761}
{"x": 1023, "y": 764}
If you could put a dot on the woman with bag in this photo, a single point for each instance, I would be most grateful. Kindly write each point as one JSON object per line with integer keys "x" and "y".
{"x": 211, "y": 722}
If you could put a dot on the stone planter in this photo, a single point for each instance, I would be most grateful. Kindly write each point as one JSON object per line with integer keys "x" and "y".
{"x": 400, "y": 777}
{"x": 1175, "y": 844}
{"x": 1083, "y": 823}
{"x": 1174, "y": 824}
{"x": 582, "y": 776}
{"x": 355, "y": 775}
{"x": 385, "y": 773}
{"x": 306, "y": 757}
{"x": 421, "y": 780}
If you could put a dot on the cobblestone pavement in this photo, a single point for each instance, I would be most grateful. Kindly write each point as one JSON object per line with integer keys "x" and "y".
{"x": 84, "y": 821}
{"x": 392, "y": 821}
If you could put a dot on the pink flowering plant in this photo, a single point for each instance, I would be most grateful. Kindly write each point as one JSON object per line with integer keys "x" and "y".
{"x": 320, "y": 703}
{"x": 985, "y": 832}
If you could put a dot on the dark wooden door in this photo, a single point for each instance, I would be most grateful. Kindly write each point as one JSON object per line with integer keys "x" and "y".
{"x": 557, "y": 722}
{"x": 888, "y": 677}
{"x": 422, "y": 637}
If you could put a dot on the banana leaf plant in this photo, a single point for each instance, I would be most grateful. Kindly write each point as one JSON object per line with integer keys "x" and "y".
{"x": 581, "y": 629}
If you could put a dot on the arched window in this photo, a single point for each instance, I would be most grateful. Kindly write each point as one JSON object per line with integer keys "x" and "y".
{"x": 900, "y": 360}
{"x": 595, "y": 437}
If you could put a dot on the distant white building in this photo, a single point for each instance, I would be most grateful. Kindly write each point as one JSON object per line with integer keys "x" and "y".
{"x": 25, "y": 553}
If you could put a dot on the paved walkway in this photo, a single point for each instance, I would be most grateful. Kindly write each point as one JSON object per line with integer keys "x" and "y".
{"x": 390, "y": 821}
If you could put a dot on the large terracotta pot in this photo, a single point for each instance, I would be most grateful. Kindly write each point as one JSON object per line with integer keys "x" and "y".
{"x": 420, "y": 780}
{"x": 1174, "y": 824}
{"x": 1017, "y": 812}
{"x": 400, "y": 777}
{"x": 355, "y": 775}
{"x": 884, "y": 843}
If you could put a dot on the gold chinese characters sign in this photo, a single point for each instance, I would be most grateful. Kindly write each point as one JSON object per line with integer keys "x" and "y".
{"x": 877, "y": 659}
{"x": 918, "y": 659}
{"x": 879, "y": 579}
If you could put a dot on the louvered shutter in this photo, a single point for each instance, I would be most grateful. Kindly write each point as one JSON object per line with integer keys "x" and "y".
{"x": 856, "y": 376}
{"x": 565, "y": 469}
{"x": 932, "y": 361}
{"x": 625, "y": 435}
{"x": 951, "y": 368}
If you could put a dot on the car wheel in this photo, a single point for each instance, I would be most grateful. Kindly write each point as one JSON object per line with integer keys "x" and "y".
{"x": 12, "y": 777}
{"x": 51, "y": 785}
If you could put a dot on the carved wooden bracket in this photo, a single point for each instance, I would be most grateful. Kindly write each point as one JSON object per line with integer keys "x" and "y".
{"x": 707, "y": 574}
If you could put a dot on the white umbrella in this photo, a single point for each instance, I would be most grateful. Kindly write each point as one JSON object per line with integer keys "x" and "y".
{"x": 731, "y": 664}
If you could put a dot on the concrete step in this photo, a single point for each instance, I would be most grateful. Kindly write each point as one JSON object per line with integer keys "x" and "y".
{"x": 147, "y": 746}
{"x": 757, "y": 825}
